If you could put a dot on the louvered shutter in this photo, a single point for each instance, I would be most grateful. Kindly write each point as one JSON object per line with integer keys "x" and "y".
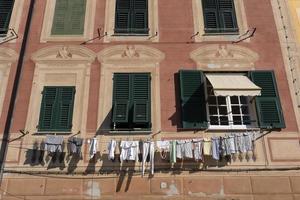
{"x": 192, "y": 97}
{"x": 122, "y": 16}
{"x": 141, "y": 98}
{"x": 48, "y": 110}
{"x": 65, "y": 108}
{"x": 121, "y": 97}
{"x": 210, "y": 12}
{"x": 227, "y": 16}
{"x": 77, "y": 17}
{"x": 140, "y": 16}
{"x": 69, "y": 17}
{"x": 268, "y": 107}
{"x": 6, "y": 7}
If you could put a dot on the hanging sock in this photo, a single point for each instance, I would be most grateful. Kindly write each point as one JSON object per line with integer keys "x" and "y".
{"x": 173, "y": 152}
{"x": 111, "y": 149}
{"x": 93, "y": 147}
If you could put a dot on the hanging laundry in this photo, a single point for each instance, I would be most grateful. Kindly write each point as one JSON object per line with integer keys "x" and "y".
{"x": 173, "y": 151}
{"x": 75, "y": 144}
{"x": 240, "y": 143}
{"x": 129, "y": 150}
{"x": 93, "y": 147}
{"x": 148, "y": 149}
{"x": 248, "y": 140}
{"x": 188, "y": 149}
{"x": 180, "y": 149}
{"x": 53, "y": 143}
{"x": 198, "y": 149}
{"x": 215, "y": 146}
{"x": 232, "y": 144}
{"x": 111, "y": 149}
{"x": 207, "y": 146}
{"x": 163, "y": 147}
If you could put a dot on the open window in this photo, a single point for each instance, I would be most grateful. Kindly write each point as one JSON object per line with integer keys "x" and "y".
{"x": 229, "y": 100}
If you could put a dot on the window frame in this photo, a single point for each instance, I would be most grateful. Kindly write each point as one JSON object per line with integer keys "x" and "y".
{"x": 231, "y": 126}
{"x": 15, "y": 20}
{"x": 89, "y": 22}
{"x": 199, "y": 24}
{"x": 110, "y": 15}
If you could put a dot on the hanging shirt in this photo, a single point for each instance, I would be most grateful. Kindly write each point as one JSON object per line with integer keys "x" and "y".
{"x": 53, "y": 143}
{"x": 93, "y": 147}
{"x": 232, "y": 144}
{"x": 180, "y": 149}
{"x": 198, "y": 149}
{"x": 163, "y": 145}
{"x": 111, "y": 149}
{"x": 75, "y": 144}
{"x": 206, "y": 146}
{"x": 188, "y": 149}
{"x": 215, "y": 142}
{"x": 129, "y": 150}
{"x": 248, "y": 139}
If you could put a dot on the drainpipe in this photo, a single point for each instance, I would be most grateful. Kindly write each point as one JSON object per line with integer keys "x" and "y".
{"x": 5, "y": 139}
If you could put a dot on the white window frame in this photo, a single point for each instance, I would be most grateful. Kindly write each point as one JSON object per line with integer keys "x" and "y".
{"x": 231, "y": 126}
{"x": 48, "y": 22}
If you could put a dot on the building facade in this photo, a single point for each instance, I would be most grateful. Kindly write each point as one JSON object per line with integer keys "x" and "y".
{"x": 147, "y": 70}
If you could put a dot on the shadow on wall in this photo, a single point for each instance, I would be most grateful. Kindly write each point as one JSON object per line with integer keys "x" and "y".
{"x": 176, "y": 117}
{"x": 106, "y": 124}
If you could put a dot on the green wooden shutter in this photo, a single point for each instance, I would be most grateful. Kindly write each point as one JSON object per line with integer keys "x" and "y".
{"x": 6, "y": 7}
{"x": 268, "y": 107}
{"x": 140, "y": 16}
{"x": 141, "y": 98}
{"x": 227, "y": 16}
{"x": 48, "y": 110}
{"x": 192, "y": 96}
{"x": 65, "y": 106}
{"x": 210, "y": 12}
{"x": 69, "y": 17}
{"x": 121, "y": 97}
{"x": 122, "y": 16}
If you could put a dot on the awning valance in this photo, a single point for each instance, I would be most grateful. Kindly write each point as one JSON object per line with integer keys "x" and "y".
{"x": 233, "y": 85}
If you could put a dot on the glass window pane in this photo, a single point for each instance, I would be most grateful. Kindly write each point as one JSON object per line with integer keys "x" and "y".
{"x": 237, "y": 120}
{"x": 213, "y": 110}
{"x": 235, "y": 109}
{"x": 214, "y": 120}
{"x": 245, "y": 110}
{"x": 221, "y": 100}
{"x": 234, "y": 100}
{"x": 224, "y": 120}
{"x": 223, "y": 110}
{"x": 244, "y": 100}
{"x": 246, "y": 120}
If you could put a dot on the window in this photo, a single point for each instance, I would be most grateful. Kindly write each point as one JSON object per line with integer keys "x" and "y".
{"x": 219, "y": 16}
{"x": 69, "y": 17}
{"x": 131, "y": 101}
{"x": 205, "y": 104}
{"x": 68, "y": 20}
{"x": 6, "y": 7}
{"x": 227, "y": 110}
{"x": 131, "y": 17}
{"x": 56, "y": 109}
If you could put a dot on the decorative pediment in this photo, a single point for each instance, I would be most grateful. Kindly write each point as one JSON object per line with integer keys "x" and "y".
{"x": 7, "y": 55}
{"x": 225, "y": 56}
{"x": 130, "y": 54}
{"x": 64, "y": 53}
